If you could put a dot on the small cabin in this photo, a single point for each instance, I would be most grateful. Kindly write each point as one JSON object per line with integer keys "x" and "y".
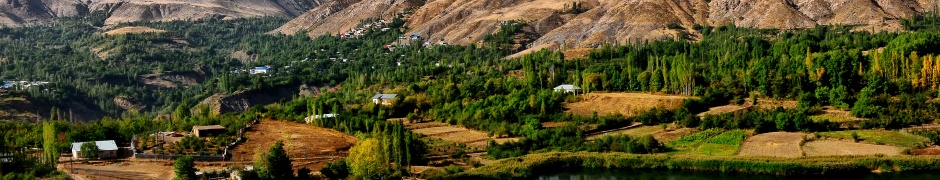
{"x": 208, "y": 131}
{"x": 567, "y": 88}
{"x": 106, "y": 149}
{"x": 383, "y": 99}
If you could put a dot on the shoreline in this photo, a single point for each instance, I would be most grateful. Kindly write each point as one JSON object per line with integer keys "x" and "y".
{"x": 533, "y": 165}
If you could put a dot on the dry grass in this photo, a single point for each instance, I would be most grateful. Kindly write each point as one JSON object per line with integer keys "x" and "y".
{"x": 836, "y": 115}
{"x": 896, "y": 138}
{"x": 632, "y": 132}
{"x": 554, "y": 124}
{"x": 775, "y": 144}
{"x": 722, "y": 110}
{"x": 456, "y": 134}
{"x": 137, "y": 170}
{"x": 577, "y": 53}
{"x": 847, "y": 148}
{"x": 133, "y": 30}
{"x": 669, "y": 136}
{"x": 440, "y": 130}
{"x": 627, "y": 104}
{"x": 300, "y": 140}
{"x": 765, "y": 103}
{"x": 935, "y": 150}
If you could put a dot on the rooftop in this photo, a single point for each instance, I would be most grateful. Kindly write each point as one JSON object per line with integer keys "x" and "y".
{"x": 106, "y": 145}
{"x": 384, "y": 96}
{"x": 324, "y": 116}
{"x": 567, "y": 87}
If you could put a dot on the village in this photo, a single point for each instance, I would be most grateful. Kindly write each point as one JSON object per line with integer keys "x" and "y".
{"x": 217, "y": 149}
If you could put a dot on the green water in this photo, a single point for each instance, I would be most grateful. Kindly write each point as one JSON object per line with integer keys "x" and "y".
{"x": 685, "y": 175}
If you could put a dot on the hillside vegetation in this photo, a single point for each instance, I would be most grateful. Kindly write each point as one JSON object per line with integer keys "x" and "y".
{"x": 890, "y": 79}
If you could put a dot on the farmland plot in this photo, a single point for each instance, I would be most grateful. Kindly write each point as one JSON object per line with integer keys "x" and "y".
{"x": 775, "y": 144}
{"x": 627, "y": 104}
{"x": 847, "y": 148}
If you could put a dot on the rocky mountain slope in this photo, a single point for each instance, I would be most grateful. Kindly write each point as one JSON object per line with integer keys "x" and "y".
{"x": 24, "y": 12}
{"x": 605, "y": 21}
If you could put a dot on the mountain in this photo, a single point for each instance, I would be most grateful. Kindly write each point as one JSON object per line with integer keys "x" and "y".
{"x": 604, "y": 21}
{"x": 25, "y": 12}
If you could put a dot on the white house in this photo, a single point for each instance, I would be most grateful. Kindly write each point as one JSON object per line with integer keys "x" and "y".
{"x": 258, "y": 70}
{"x": 315, "y": 117}
{"x": 567, "y": 88}
{"x": 106, "y": 149}
{"x": 384, "y": 99}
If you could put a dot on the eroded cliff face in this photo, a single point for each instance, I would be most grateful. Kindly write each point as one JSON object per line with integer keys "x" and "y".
{"x": 605, "y": 21}
{"x": 342, "y": 15}
{"x": 25, "y": 12}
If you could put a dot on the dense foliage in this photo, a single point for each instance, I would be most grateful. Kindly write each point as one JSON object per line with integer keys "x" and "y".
{"x": 184, "y": 168}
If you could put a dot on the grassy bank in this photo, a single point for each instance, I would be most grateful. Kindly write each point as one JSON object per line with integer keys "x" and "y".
{"x": 546, "y": 163}
{"x": 881, "y": 137}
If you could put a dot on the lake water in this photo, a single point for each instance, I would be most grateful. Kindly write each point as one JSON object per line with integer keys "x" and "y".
{"x": 686, "y": 175}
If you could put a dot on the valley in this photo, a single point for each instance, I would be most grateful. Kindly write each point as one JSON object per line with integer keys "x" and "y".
{"x": 466, "y": 89}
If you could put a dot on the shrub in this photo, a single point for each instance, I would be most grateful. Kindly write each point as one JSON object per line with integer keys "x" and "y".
{"x": 185, "y": 168}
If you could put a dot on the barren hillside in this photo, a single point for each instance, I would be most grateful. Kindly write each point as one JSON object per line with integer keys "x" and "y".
{"x": 20, "y": 12}
{"x": 605, "y": 21}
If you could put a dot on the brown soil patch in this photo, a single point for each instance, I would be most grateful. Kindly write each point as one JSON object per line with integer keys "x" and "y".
{"x": 935, "y": 150}
{"x": 722, "y": 110}
{"x": 133, "y": 30}
{"x": 847, "y": 148}
{"x": 455, "y": 134}
{"x": 627, "y": 104}
{"x": 923, "y": 127}
{"x": 577, "y": 53}
{"x": 775, "y": 144}
{"x": 121, "y": 170}
{"x": 518, "y": 74}
{"x": 765, "y": 103}
{"x": 836, "y": 115}
{"x": 318, "y": 144}
{"x": 242, "y": 57}
{"x": 554, "y": 124}
{"x": 668, "y": 136}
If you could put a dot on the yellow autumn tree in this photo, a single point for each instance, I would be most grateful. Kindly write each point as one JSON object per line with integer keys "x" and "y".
{"x": 367, "y": 159}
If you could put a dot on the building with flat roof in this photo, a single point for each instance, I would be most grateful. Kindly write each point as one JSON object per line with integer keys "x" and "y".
{"x": 567, "y": 88}
{"x": 208, "y": 131}
{"x": 384, "y": 99}
{"x": 106, "y": 149}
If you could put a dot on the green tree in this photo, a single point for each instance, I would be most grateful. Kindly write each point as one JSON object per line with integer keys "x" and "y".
{"x": 50, "y": 143}
{"x": 276, "y": 163}
{"x": 89, "y": 150}
{"x": 839, "y": 97}
{"x": 863, "y": 106}
{"x": 335, "y": 170}
{"x": 185, "y": 168}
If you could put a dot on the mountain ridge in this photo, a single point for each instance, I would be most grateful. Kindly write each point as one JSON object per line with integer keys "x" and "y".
{"x": 610, "y": 21}
{"x": 27, "y": 12}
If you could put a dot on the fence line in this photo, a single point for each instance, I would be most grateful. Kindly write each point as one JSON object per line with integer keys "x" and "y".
{"x": 223, "y": 157}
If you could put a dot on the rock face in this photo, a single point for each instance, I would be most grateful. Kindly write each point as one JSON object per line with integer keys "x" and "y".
{"x": 604, "y": 21}
{"x": 24, "y": 12}
{"x": 342, "y": 15}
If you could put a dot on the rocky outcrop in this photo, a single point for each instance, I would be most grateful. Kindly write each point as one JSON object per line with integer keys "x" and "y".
{"x": 242, "y": 100}
{"x": 606, "y": 21}
{"x": 342, "y": 15}
{"x": 22, "y": 12}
